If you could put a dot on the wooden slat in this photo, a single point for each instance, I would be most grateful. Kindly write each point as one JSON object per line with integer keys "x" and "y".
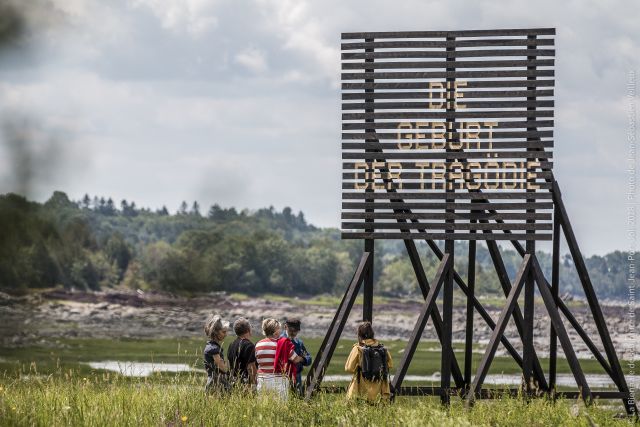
{"x": 446, "y": 236}
{"x": 444, "y": 34}
{"x": 441, "y": 195}
{"x": 412, "y": 165}
{"x": 483, "y": 145}
{"x": 497, "y": 206}
{"x": 407, "y": 105}
{"x": 516, "y": 124}
{"x": 434, "y": 185}
{"x": 428, "y": 175}
{"x": 349, "y": 96}
{"x": 447, "y": 74}
{"x": 480, "y": 53}
{"x": 445, "y": 114}
{"x": 496, "y": 133}
{"x": 450, "y": 155}
{"x": 446, "y": 215}
{"x": 471, "y": 84}
{"x": 443, "y": 226}
{"x": 416, "y": 44}
{"x": 442, "y": 64}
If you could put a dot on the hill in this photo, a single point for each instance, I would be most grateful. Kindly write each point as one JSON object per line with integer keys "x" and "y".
{"x": 95, "y": 243}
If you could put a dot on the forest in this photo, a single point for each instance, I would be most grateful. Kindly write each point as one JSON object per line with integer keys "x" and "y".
{"x": 96, "y": 243}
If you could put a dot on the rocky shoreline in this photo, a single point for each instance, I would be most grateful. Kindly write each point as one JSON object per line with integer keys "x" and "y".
{"x": 53, "y": 314}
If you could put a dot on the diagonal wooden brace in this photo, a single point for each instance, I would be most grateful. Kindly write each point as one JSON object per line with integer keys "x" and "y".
{"x": 426, "y": 312}
{"x": 501, "y": 325}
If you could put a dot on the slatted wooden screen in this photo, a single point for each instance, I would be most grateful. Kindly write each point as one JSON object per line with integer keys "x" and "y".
{"x": 447, "y": 134}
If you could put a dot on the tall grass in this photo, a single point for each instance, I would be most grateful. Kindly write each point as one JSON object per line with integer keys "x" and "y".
{"x": 71, "y": 399}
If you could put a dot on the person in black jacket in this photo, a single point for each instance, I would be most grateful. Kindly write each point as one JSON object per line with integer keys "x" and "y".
{"x": 242, "y": 354}
{"x": 217, "y": 370}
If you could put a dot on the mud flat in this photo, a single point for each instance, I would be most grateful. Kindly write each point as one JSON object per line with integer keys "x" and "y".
{"x": 40, "y": 317}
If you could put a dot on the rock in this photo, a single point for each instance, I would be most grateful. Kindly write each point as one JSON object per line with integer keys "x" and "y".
{"x": 6, "y": 299}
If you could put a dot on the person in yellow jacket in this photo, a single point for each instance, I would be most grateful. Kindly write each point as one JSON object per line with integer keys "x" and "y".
{"x": 372, "y": 391}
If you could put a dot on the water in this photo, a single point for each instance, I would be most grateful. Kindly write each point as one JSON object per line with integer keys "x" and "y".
{"x": 144, "y": 369}
{"x": 594, "y": 380}
{"x": 139, "y": 369}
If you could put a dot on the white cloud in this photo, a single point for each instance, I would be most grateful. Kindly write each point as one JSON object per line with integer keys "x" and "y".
{"x": 194, "y": 17}
{"x": 301, "y": 30}
{"x": 166, "y": 91}
{"x": 253, "y": 59}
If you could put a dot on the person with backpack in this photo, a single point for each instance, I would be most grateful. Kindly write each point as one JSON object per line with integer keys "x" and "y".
{"x": 370, "y": 363}
{"x": 217, "y": 369}
{"x": 242, "y": 355}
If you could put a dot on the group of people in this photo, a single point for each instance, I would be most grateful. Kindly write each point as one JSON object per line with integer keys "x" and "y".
{"x": 275, "y": 363}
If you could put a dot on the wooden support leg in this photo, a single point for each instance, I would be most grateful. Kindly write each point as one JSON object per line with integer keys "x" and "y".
{"x": 629, "y": 402}
{"x": 564, "y": 309}
{"x": 501, "y": 325}
{"x": 414, "y": 339}
{"x": 582, "y": 333}
{"x": 447, "y": 331}
{"x": 561, "y": 332}
{"x": 468, "y": 342}
{"x": 477, "y": 305}
{"x": 555, "y": 282}
{"x": 528, "y": 350}
{"x": 518, "y": 318}
{"x": 435, "y": 313}
{"x": 367, "y": 295}
{"x": 314, "y": 377}
{"x": 369, "y": 244}
{"x": 449, "y": 246}
{"x": 323, "y": 345}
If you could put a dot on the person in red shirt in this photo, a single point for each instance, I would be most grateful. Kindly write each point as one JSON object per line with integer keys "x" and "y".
{"x": 276, "y": 358}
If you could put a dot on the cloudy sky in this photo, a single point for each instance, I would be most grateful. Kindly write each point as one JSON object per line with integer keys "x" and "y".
{"x": 236, "y": 102}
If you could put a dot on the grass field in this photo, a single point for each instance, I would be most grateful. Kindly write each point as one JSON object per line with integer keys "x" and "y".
{"x": 67, "y": 398}
{"x": 50, "y": 384}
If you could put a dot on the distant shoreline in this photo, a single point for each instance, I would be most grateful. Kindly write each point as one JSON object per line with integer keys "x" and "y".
{"x": 50, "y": 314}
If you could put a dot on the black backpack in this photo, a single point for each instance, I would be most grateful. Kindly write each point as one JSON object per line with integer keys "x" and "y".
{"x": 374, "y": 363}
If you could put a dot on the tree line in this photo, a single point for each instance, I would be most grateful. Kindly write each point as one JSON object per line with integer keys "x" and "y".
{"x": 96, "y": 243}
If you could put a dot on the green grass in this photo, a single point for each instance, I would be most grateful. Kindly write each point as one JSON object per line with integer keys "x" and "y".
{"x": 71, "y": 353}
{"x": 66, "y": 398}
{"x": 49, "y": 385}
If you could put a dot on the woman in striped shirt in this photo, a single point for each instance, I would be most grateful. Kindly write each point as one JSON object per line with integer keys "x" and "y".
{"x": 271, "y": 379}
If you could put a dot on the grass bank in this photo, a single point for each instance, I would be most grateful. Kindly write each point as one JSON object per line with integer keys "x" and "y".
{"x": 67, "y": 398}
